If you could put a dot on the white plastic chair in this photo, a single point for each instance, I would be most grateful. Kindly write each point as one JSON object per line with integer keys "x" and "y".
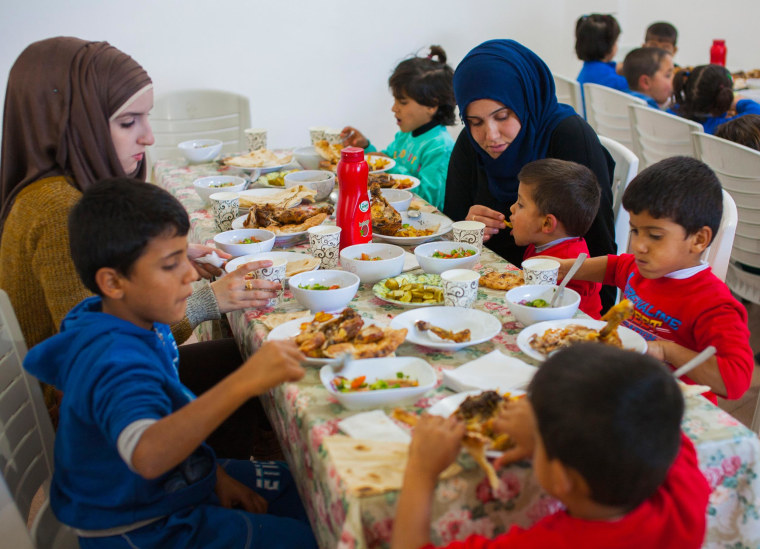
{"x": 192, "y": 114}
{"x": 626, "y": 168}
{"x": 719, "y": 252}
{"x": 658, "y": 135}
{"x": 607, "y": 112}
{"x": 26, "y": 447}
{"x": 569, "y": 92}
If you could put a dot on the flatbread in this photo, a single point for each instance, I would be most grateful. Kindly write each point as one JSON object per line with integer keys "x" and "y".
{"x": 507, "y": 280}
{"x": 369, "y": 467}
{"x": 260, "y": 158}
{"x": 287, "y": 198}
{"x": 273, "y": 320}
{"x": 301, "y": 265}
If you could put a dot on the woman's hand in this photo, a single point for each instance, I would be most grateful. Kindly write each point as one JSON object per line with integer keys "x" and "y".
{"x": 234, "y": 292}
{"x": 206, "y": 270}
{"x": 493, "y": 220}
{"x": 516, "y": 419}
{"x": 232, "y": 494}
{"x": 352, "y": 137}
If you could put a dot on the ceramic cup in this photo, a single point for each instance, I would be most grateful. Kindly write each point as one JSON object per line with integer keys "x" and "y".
{"x": 460, "y": 287}
{"x": 225, "y": 206}
{"x": 275, "y": 273}
{"x": 332, "y": 135}
{"x": 540, "y": 271}
{"x": 257, "y": 138}
{"x": 469, "y": 232}
{"x": 316, "y": 133}
{"x": 324, "y": 241}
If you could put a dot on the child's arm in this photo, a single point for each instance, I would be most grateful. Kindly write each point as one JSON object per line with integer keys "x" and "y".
{"x": 677, "y": 355}
{"x": 353, "y": 138}
{"x": 435, "y": 445}
{"x": 593, "y": 269}
{"x": 167, "y": 442}
{"x": 516, "y": 419}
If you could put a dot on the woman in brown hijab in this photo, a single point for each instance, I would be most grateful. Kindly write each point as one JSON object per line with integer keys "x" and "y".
{"x": 76, "y": 112}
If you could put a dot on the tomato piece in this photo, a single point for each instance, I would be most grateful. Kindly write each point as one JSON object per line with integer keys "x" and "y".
{"x": 357, "y": 382}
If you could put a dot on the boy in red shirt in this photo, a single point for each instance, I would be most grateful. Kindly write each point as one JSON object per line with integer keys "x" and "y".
{"x": 603, "y": 428}
{"x": 556, "y": 203}
{"x": 681, "y": 307}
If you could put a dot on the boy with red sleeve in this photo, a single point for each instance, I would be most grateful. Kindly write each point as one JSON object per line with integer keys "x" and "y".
{"x": 681, "y": 307}
{"x": 557, "y": 201}
{"x": 603, "y": 428}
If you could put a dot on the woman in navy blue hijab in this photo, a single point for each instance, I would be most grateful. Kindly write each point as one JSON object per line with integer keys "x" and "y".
{"x": 507, "y": 100}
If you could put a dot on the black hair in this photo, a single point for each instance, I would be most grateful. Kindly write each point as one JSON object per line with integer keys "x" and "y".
{"x": 429, "y": 81}
{"x": 662, "y": 32}
{"x": 680, "y": 188}
{"x": 706, "y": 90}
{"x": 744, "y": 130}
{"x": 114, "y": 221}
{"x": 642, "y": 61}
{"x": 595, "y": 36}
{"x": 612, "y": 415}
{"x": 565, "y": 189}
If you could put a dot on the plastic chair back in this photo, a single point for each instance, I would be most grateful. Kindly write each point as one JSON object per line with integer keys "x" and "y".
{"x": 193, "y": 114}
{"x": 568, "y": 92}
{"x": 626, "y": 168}
{"x": 607, "y": 112}
{"x": 658, "y": 135}
{"x": 26, "y": 446}
{"x": 719, "y": 252}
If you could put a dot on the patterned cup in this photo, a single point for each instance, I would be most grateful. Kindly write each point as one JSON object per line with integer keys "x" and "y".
{"x": 460, "y": 287}
{"x": 275, "y": 273}
{"x": 316, "y": 133}
{"x": 332, "y": 135}
{"x": 540, "y": 271}
{"x": 225, "y": 205}
{"x": 324, "y": 241}
{"x": 257, "y": 138}
{"x": 469, "y": 232}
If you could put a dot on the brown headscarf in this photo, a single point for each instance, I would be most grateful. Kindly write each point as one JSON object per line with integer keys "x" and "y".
{"x": 61, "y": 93}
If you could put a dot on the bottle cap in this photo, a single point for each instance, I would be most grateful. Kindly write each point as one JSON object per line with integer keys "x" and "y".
{"x": 352, "y": 154}
{"x": 716, "y": 41}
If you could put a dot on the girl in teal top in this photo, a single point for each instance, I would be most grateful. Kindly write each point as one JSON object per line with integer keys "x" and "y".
{"x": 423, "y": 105}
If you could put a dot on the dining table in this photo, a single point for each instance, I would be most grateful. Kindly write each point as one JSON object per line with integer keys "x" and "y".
{"x": 305, "y": 417}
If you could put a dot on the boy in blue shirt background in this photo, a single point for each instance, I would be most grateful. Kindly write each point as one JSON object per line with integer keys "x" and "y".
{"x": 649, "y": 72}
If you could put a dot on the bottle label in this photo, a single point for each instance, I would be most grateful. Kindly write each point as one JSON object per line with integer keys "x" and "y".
{"x": 364, "y": 228}
{"x": 364, "y": 206}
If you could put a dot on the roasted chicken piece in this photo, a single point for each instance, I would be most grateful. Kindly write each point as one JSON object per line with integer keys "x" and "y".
{"x": 456, "y": 337}
{"x": 384, "y": 180}
{"x": 374, "y": 348}
{"x": 385, "y": 219}
{"x": 614, "y": 317}
{"x": 267, "y": 215}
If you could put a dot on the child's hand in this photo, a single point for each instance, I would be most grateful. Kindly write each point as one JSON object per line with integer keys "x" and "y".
{"x": 516, "y": 419}
{"x": 232, "y": 494}
{"x": 493, "y": 220}
{"x": 274, "y": 363}
{"x": 234, "y": 292}
{"x": 436, "y": 442}
{"x": 352, "y": 137}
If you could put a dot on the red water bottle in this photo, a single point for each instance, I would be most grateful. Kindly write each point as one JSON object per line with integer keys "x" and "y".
{"x": 353, "y": 215}
{"x": 718, "y": 53}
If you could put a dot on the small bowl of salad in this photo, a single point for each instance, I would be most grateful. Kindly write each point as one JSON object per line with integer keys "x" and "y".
{"x": 328, "y": 290}
{"x": 437, "y": 257}
{"x": 530, "y": 303}
{"x": 245, "y": 241}
{"x": 372, "y": 262}
{"x": 379, "y": 382}
{"x": 206, "y": 186}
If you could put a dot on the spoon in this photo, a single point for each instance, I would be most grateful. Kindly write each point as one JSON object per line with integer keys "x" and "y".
{"x": 577, "y": 265}
{"x": 694, "y": 362}
{"x": 413, "y": 213}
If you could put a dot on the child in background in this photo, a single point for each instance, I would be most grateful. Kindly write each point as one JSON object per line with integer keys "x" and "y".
{"x": 662, "y": 35}
{"x": 681, "y": 307}
{"x": 649, "y": 72}
{"x": 423, "y": 106}
{"x": 556, "y": 203}
{"x": 705, "y": 95}
{"x": 744, "y": 130}
{"x": 596, "y": 38}
{"x": 131, "y": 465}
{"x": 626, "y": 480}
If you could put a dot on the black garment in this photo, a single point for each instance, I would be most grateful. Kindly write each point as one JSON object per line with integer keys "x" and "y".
{"x": 573, "y": 139}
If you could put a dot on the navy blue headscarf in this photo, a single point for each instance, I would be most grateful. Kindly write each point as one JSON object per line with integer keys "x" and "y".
{"x": 510, "y": 73}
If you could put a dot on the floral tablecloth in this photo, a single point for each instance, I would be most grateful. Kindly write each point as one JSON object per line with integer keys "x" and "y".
{"x": 304, "y": 413}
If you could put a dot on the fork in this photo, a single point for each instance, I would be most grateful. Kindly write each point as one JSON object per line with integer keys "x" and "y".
{"x": 341, "y": 362}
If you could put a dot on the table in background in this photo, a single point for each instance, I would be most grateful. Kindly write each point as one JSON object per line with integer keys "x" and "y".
{"x": 304, "y": 413}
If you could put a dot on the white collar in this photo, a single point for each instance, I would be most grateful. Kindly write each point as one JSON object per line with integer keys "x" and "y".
{"x": 544, "y": 247}
{"x": 688, "y": 272}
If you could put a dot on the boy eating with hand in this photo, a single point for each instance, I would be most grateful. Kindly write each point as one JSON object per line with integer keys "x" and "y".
{"x": 131, "y": 465}
{"x": 557, "y": 201}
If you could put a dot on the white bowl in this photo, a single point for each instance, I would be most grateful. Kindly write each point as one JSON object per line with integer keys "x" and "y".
{"x": 229, "y": 241}
{"x": 397, "y": 198}
{"x": 206, "y": 186}
{"x": 391, "y": 264}
{"x": 424, "y": 254}
{"x": 319, "y": 180}
{"x": 381, "y": 368}
{"x": 200, "y": 150}
{"x": 308, "y": 157}
{"x": 566, "y": 308}
{"x": 324, "y": 300}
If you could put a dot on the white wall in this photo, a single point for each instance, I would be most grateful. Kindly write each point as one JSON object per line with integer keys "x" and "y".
{"x": 327, "y": 62}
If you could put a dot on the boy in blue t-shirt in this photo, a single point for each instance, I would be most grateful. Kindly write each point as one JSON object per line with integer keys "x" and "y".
{"x": 649, "y": 72}
{"x": 131, "y": 465}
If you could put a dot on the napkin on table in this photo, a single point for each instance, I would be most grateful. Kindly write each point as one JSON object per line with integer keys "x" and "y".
{"x": 374, "y": 425}
{"x": 494, "y": 371}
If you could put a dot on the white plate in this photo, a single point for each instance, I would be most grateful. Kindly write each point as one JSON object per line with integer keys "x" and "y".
{"x": 390, "y": 162}
{"x": 630, "y": 339}
{"x": 233, "y": 264}
{"x": 281, "y": 240}
{"x": 290, "y": 330}
{"x": 380, "y": 290}
{"x": 482, "y": 326}
{"x": 415, "y": 181}
{"x": 279, "y": 152}
{"x": 494, "y": 371}
{"x": 425, "y": 221}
